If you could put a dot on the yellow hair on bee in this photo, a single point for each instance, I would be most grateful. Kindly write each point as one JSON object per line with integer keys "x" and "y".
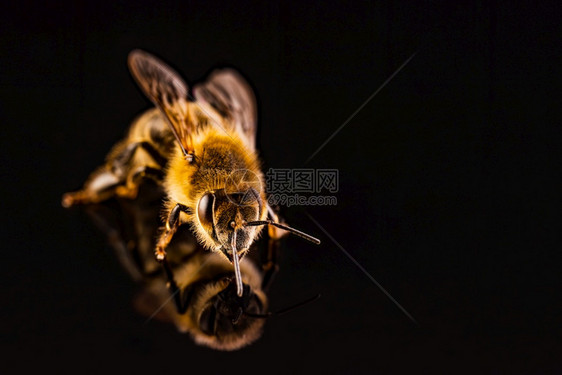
{"x": 218, "y": 153}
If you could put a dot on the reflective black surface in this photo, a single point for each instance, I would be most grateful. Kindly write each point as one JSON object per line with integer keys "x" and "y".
{"x": 447, "y": 183}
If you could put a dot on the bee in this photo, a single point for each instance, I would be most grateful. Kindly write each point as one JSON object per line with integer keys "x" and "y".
{"x": 205, "y": 300}
{"x": 200, "y": 146}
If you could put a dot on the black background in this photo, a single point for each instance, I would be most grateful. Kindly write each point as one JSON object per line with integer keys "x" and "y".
{"x": 447, "y": 192}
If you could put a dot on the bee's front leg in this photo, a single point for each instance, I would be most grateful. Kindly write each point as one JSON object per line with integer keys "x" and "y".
{"x": 172, "y": 224}
{"x": 274, "y": 232}
{"x": 270, "y": 267}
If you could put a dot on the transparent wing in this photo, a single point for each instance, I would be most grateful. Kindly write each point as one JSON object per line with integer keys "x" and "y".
{"x": 227, "y": 92}
{"x": 166, "y": 89}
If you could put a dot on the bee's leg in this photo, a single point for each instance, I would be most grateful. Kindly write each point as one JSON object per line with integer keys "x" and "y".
{"x": 181, "y": 299}
{"x": 274, "y": 232}
{"x": 109, "y": 180}
{"x": 270, "y": 267}
{"x": 120, "y": 166}
{"x": 124, "y": 157}
{"x": 172, "y": 224}
{"x": 131, "y": 188}
{"x": 100, "y": 186}
{"x": 104, "y": 184}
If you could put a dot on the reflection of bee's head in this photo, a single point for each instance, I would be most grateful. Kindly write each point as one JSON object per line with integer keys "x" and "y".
{"x": 225, "y": 320}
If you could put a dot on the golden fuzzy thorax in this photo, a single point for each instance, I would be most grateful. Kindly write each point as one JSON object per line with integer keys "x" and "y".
{"x": 219, "y": 151}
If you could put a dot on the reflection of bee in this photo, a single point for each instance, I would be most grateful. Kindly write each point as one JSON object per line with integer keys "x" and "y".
{"x": 206, "y": 303}
{"x": 212, "y": 178}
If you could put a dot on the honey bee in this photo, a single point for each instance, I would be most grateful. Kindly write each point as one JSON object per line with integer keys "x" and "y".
{"x": 200, "y": 282}
{"x": 201, "y": 147}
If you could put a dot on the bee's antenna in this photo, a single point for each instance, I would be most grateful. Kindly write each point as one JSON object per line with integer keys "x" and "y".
{"x": 236, "y": 262}
{"x": 285, "y": 310}
{"x": 258, "y": 316}
{"x": 300, "y": 304}
{"x": 307, "y": 237}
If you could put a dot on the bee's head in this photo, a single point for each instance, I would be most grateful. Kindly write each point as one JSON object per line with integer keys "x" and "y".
{"x": 232, "y": 211}
{"x": 229, "y": 321}
{"x": 222, "y": 213}
{"x": 233, "y": 217}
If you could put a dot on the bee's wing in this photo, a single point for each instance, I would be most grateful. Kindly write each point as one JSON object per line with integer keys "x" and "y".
{"x": 230, "y": 94}
{"x": 166, "y": 89}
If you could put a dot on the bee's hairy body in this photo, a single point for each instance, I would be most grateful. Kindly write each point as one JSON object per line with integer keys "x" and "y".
{"x": 219, "y": 153}
{"x": 199, "y": 149}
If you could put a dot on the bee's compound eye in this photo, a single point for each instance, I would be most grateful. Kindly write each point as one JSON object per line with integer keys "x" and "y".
{"x": 205, "y": 209}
